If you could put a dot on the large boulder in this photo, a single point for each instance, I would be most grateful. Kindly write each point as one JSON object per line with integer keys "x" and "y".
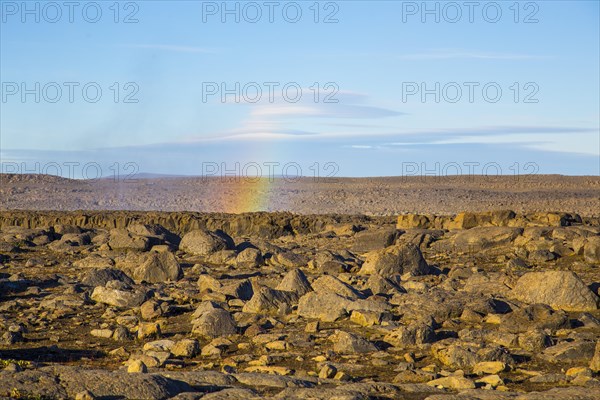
{"x": 416, "y": 333}
{"x": 476, "y": 239}
{"x": 329, "y": 307}
{"x": 591, "y": 250}
{"x": 350, "y": 343}
{"x": 395, "y": 260}
{"x": 468, "y": 220}
{"x": 595, "y": 363}
{"x": 214, "y": 322}
{"x": 118, "y": 297}
{"x": 331, "y": 284}
{"x": 101, "y": 276}
{"x": 562, "y": 290}
{"x": 249, "y": 258}
{"x": 369, "y": 240}
{"x": 61, "y": 381}
{"x": 122, "y": 239}
{"x": 295, "y": 281}
{"x": 157, "y": 234}
{"x": 152, "y": 267}
{"x": 201, "y": 242}
{"x": 267, "y": 300}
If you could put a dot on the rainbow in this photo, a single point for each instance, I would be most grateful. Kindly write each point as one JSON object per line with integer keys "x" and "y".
{"x": 252, "y": 195}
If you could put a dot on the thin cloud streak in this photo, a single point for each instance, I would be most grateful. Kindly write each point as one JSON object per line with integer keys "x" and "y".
{"x": 172, "y": 48}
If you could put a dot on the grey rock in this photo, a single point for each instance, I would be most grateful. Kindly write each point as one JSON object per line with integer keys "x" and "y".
{"x": 398, "y": 259}
{"x": 214, "y": 323}
{"x": 350, "y": 343}
{"x": 295, "y": 281}
{"x": 202, "y": 242}
{"x": 561, "y": 290}
{"x": 100, "y": 277}
{"x": 118, "y": 298}
{"x": 267, "y": 300}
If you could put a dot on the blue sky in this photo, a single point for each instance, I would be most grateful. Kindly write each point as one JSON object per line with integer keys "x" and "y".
{"x": 375, "y": 62}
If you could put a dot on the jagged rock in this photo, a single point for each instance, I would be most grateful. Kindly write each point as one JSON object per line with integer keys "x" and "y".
{"x": 535, "y": 316}
{"x": 369, "y": 240}
{"x": 295, "y": 281}
{"x": 324, "y": 306}
{"x": 121, "y": 239}
{"x": 157, "y": 234}
{"x": 152, "y": 267}
{"x": 453, "y": 382}
{"x": 468, "y": 220}
{"x": 186, "y": 348}
{"x": 398, "y": 259}
{"x": 492, "y": 283}
{"x": 535, "y": 340}
{"x": 467, "y": 355}
{"x": 591, "y": 250}
{"x": 350, "y": 343}
{"x": 100, "y": 277}
{"x": 266, "y": 300}
{"x": 289, "y": 259}
{"x": 152, "y": 309}
{"x": 117, "y": 297}
{"x": 595, "y": 362}
{"x": 411, "y": 221}
{"x": 380, "y": 285}
{"x": 329, "y": 307}
{"x": 239, "y": 289}
{"x": 562, "y": 290}
{"x": 477, "y": 239}
{"x": 331, "y": 284}
{"x": 578, "y": 350}
{"x": 94, "y": 261}
{"x": 249, "y": 258}
{"x": 67, "y": 382}
{"x": 413, "y": 334}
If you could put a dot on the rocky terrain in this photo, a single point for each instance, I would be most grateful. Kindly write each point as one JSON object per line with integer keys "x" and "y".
{"x": 187, "y": 305}
{"x": 371, "y": 196}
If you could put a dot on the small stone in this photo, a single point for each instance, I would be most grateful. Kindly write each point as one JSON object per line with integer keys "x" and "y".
{"x": 120, "y": 334}
{"x": 13, "y": 367}
{"x": 119, "y": 352}
{"x": 350, "y": 343}
{"x": 277, "y": 345}
{"x": 151, "y": 310}
{"x": 276, "y": 370}
{"x": 159, "y": 345}
{"x": 453, "y": 382}
{"x": 595, "y": 363}
{"x": 312, "y": 327}
{"x": 186, "y": 348}
{"x": 579, "y": 371}
{"x": 137, "y": 366}
{"x": 209, "y": 351}
{"x": 492, "y": 380}
{"x": 582, "y": 380}
{"x": 12, "y": 338}
{"x": 342, "y": 376}
{"x": 102, "y": 333}
{"x": 85, "y": 395}
{"x": 148, "y": 329}
{"x": 365, "y": 318}
{"x": 489, "y": 367}
{"x": 327, "y": 371}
